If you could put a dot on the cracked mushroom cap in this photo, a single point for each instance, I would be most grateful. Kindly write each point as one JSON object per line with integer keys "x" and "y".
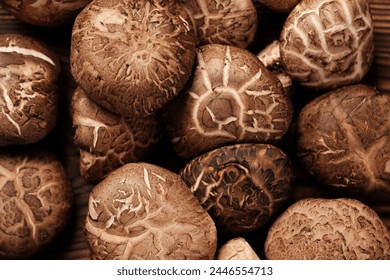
{"x": 343, "y": 141}
{"x": 241, "y": 186}
{"x": 45, "y": 13}
{"x": 132, "y": 56}
{"x": 223, "y": 22}
{"x": 28, "y": 89}
{"x": 327, "y": 44}
{"x": 35, "y": 202}
{"x": 328, "y": 229}
{"x": 143, "y": 211}
{"x": 231, "y": 98}
{"x": 107, "y": 140}
{"x": 237, "y": 249}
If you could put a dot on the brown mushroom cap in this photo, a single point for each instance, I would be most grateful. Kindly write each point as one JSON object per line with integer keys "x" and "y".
{"x": 237, "y": 249}
{"x": 343, "y": 140}
{"x": 223, "y": 22}
{"x": 241, "y": 186}
{"x": 132, "y": 57}
{"x": 327, "y": 44}
{"x": 45, "y": 13}
{"x": 143, "y": 211}
{"x": 29, "y": 71}
{"x": 35, "y": 202}
{"x": 231, "y": 98}
{"x": 107, "y": 140}
{"x": 328, "y": 229}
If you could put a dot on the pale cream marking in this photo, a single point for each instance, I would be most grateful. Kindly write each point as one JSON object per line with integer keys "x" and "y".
{"x": 387, "y": 166}
{"x": 26, "y": 52}
{"x": 220, "y": 123}
{"x": 147, "y": 182}
{"x": 89, "y": 122}
{"x": 186, "y": 23}
{"x": 195, "y": 187}
{"x": 107, "y": 16}
{"x": 250, "y": 82}
{"x": 226, "y": 67}
{"x": 10, "y": 106}
{"x": 193, "y": 95}
{"x": 206, "y": 77}
{"x": 92, "y": 205}
{"x": 159, "y": 176}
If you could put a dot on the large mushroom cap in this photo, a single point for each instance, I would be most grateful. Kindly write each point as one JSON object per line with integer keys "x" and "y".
{"x": 132, "y": 56}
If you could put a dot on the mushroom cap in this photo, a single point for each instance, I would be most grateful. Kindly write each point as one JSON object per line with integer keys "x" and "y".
{"x": 237, "y": 249}
{"x": 35, "y": 201}
{"x": 328, "y": 229}
{"x": 29, "y": 71}
{"x": 231, "y": 98}
{"x": 132, "y": 56}
{"x": 223, "y": 22}
{"x": 241, "y": 186}
{"x": 107, "y": 140}
{"x": 343, "y": 141}
{"x": 143, "y": 211}
{"x": 327, "y": 44}
{"x": 45, "y": 13}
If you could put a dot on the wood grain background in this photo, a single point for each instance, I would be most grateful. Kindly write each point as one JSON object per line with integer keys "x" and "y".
{"x": 72, "y": 244}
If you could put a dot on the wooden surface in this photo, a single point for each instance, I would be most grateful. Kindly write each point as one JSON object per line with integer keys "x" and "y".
{"x": 72, "y": 244}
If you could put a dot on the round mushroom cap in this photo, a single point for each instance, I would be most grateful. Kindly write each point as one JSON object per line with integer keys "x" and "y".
{"x": 35, "y": 201}
{"x": 107, "y": 140}
{"x": 327, "y": 44}
{"x": 143, "y": 211}
{"x": 132, "y": 56}
{"x": 45, "y": 13}
{"x": 241, "y": 186}
{"x": 328, "y": 229}
{"x": 343, "y": 140}
{"x": 223, "y": 22}
{"x": 29, "y": 72}
{"x": 237, "y": 249}
{"x": 231, "y": 98}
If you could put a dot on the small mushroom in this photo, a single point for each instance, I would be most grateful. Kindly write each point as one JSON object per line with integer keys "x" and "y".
{"x": 343, "y": 140}
{"x": 241, "y": 186}
{"x": 131, "y": 56}
{"x": 231, "y": 98}
{"x": 45, "y": 13}
{"x": 327, "y": 44}
{"x": 107, "y": 140}
{"x": 237, "y": 249}
{"x": 35, "y": 201}
{"x": 328, "y": 229}
{"x": 143, "y": 211}
{"x": 29, "y": 72}
{"x": 223, "y": 22}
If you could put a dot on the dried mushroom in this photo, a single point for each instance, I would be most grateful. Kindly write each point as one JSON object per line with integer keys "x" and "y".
{"x": 343, "y": 141}
{"x": 143, "y": 211}
{"x": 223, "y": 22}
{"x": 231, "y": 98}
{"x": 45, "y": 13}
{"x": 132, "y": 56}
{"x": 35, "y": 202}
{"x": 29, "y": 71}
{"x": 327, "y": 44}
{"x": 107, "y": 140}
{"x": 241, "y": 186}
{"x": 237, "y": 249}
{"x": 328, "y": 229}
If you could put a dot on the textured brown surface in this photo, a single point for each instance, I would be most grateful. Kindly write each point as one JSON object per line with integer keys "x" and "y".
{"x": 343, "y": 141}
{"x": 223, "y": 22}
{"x": 241, "y": 186}
{"x": 328, "y": 229}
{"x": 137, "y": 57}
{"x": 29, "y": 72}
{"x": 328, "y": 43}
{"x": 107, "y": 140}
{"x": 72, "y": 244}
{"x": 143, "y": 211}
{"x": 35, "y": 201}
{"x": 45, "y": 13}
{"x": 236, "y": 249}
{"x": 231, "y": 98}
